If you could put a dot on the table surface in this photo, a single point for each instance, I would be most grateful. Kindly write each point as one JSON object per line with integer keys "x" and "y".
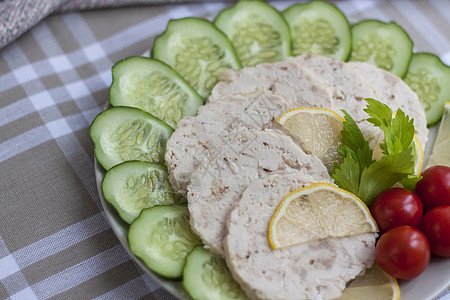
{"x": 54, "y": 239}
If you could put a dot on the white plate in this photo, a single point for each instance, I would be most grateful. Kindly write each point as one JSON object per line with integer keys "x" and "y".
{"x": 434, "y": 280}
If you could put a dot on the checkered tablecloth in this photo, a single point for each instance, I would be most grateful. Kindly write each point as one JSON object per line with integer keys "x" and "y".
{"x": 54, "y": 239}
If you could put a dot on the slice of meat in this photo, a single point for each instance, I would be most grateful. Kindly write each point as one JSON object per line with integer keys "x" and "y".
{"x": 216, "y": 122}
{"x": 394, "y": 92}
{"x": 217, "y": 184}
{"x": 347, "y": 86}
{"x": 315, "y": 270}
{"x": 214, "y": 125}
{"x": 294, "y": 82}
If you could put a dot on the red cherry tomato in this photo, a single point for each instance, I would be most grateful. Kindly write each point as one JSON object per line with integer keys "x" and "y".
{"x": 434, "y": 187}
{"x": 436, "y": 227}
{"x": 395, "y": 207}
{"x": 403, "y": 252}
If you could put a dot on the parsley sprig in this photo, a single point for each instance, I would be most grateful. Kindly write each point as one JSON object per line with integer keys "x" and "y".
{"x": 359, "y": 173}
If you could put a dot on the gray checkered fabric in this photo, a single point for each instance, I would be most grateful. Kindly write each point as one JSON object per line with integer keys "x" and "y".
{"x": 54, "y": 239}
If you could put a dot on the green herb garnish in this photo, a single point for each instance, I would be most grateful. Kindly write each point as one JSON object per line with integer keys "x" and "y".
{"x": 359, "y": 173}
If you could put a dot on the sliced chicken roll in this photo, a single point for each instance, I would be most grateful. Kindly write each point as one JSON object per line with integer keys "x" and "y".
{"x": 313, "y": 270}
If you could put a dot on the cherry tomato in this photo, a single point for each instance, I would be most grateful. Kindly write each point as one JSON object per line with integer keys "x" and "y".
{"x": 395, "y": 207}
{"x": 434, "y": 187}
{"x": 436, "y": 227}
{"x": 403, "y": 252}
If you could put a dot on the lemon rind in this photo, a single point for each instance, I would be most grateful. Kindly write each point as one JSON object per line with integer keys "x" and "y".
{"x": 314, "y": 110}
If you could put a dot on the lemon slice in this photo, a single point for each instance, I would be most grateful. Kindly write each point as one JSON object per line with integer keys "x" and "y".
{"x": 418, "y": 160}
{"x": 317, "y": 130}
{"x": 318, "y": 211}
{"x": 375, "y": 284}
{"x": 441, "y": 153}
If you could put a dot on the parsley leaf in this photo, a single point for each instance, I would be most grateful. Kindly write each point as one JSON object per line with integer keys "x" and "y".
{"x": 380, "y": 113}
{"x": 353, "y": 143}
{"x": 347, "y": 174}
{"x": 355, "y": 155}
{"x": 410, "y": 181}
{"x": 359, "y": 173}
{"x": 382, "y": 174}
{"x": 398, "y": 131}
{"x": 352, "y": 136}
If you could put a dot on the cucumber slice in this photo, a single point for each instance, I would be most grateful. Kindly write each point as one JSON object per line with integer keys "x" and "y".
{"x": 197, "y": 50}
{"x": 319, "y": 27}
{"x": 429, "y": 77}
{"x": 258, "y": 32}
{"x": 206, "y": 276}
{"x": 162, "y": 238}
{"x": 385, "y": 45}
{"x": 154, "y": 87}
{"x": 126, "y": 133}
{"x": 136, "y": 185}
